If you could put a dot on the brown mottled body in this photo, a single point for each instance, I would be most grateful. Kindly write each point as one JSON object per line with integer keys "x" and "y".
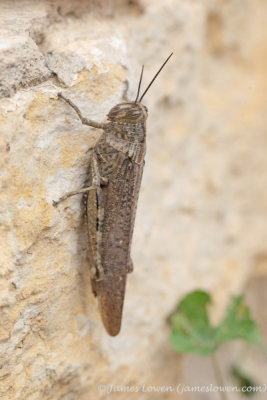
{"x": 115, "y": 175}
{"x": 120, "y": 152}
{"x": 114, "y": 181}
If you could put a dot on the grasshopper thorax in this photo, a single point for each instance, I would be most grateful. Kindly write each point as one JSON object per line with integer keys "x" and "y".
{"x": 127, "y": 121}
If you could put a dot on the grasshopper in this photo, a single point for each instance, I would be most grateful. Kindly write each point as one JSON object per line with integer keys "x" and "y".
{"x": 115, "y": 172}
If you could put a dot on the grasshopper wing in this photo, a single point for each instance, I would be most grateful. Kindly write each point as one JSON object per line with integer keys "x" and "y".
{"x": 120, "y": 201}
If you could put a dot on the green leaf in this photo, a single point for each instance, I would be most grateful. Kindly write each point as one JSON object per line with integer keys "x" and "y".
{"x": 244, "y": 380}
{"x": 192, "y": 331}
{"x": 238, "y": 324}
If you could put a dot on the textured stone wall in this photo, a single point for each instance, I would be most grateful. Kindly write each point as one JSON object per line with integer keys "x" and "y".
{"x": 201, "y": 220}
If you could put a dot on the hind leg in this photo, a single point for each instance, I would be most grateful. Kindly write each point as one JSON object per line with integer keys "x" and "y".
{"x": 96, "y": 181}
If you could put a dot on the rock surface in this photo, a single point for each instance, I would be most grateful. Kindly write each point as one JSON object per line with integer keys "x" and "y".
{"x": 201, "y": 220}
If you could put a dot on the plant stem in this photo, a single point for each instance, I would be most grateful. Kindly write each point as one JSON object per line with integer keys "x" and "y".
{"x": 218, "y": 375}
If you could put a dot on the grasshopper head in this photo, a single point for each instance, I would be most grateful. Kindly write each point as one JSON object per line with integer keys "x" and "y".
{"x": 132, "y": 115}
{"x": 129, "y": 113}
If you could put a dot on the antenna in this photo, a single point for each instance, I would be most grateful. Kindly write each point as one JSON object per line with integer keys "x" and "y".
{"x": 139, "y": 85}
{"x": 165, "y": 62}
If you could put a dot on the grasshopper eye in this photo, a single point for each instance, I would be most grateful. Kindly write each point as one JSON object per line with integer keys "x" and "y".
{"x": 146, "y": 109}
